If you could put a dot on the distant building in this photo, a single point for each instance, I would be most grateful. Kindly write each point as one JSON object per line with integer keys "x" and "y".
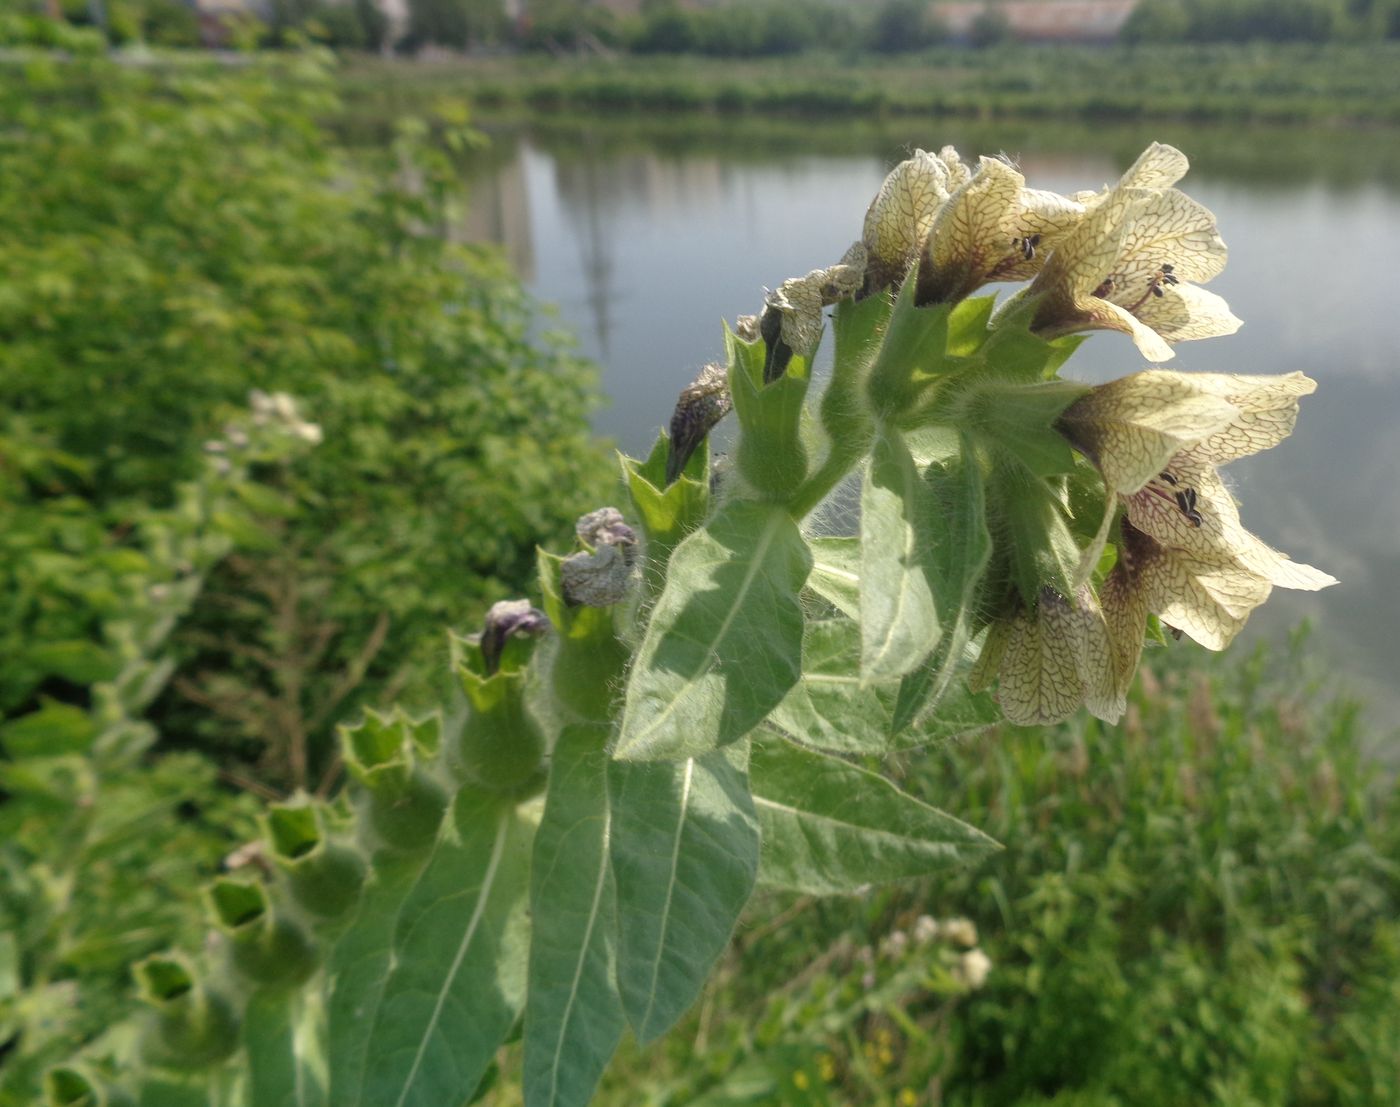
{"x": 1044, "y": 20}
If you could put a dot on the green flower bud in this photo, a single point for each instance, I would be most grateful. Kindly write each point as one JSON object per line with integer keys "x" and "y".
{"x": 324, "y": 876}
{"x": 266, "y": 947}
{"x": 405, "y": 804}
{"x": 194, "y": 1027}
{"x": 772, "y": 456}
{"x": 498, "y": 746}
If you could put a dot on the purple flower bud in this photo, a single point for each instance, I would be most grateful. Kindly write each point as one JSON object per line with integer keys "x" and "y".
{"x": 605, "y": 527}
{"x": 509, "y": 619}
{"x": 702, "y": 404}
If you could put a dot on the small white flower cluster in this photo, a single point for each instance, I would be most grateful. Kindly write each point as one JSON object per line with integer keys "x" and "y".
{"x": 271, "y": 414}
{"x": 970, "y": 965}
{"x": 272, "y": 409}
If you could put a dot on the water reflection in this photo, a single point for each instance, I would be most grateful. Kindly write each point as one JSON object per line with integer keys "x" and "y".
{"x": 647, "y": 235}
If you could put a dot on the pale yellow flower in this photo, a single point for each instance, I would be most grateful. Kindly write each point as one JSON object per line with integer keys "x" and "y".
{"x": 1129, "y": 264}
{"x": 1050, "y": 661}
{"x": 899, "y": 218}
{"x": 1184, "y": 555}
{"x": 1207, "y": 597}
{"x": 992, "y": 228}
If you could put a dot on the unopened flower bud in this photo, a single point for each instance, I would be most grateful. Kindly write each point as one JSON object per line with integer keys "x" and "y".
{"x": 509, "y": 619}
{"x": 702, "y": 404}
{"x": 606, "y": 527}
{"x": 598, "y": 579}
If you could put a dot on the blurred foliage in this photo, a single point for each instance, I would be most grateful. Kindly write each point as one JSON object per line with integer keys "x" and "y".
{"x": 103, "y": 842}
{"x": 1198, "y": 906}
{"x": 171, "y": 238}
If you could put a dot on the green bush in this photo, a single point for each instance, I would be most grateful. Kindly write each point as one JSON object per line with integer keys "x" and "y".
{"x": 171, "y": 239}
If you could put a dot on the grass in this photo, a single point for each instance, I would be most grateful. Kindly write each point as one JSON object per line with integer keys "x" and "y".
{"x": 1261, "y": 83}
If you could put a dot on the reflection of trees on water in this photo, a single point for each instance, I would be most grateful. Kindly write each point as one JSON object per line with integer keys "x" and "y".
{"x": 597, "y": 187}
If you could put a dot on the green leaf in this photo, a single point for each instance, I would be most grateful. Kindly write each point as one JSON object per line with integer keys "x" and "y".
{"x": 959, "y": 550}
{"x": 281, "y": 1042}
{"x": 589, "y": 659}
{"x": 79, "y": 662}
{"x": 967, "y": 325}
{"x": 724, "y": 643}
{"x": 1030, "y": 512}
{"x": 56, "y": 728}
{"x": 845, "y": 415}
{"x": 457, "y": 978}
{"x": 830, "y": 827}
{"x": 573, "y": 1015}
{"x": 684, "y": 854}
{"x": 898, "y": 613}
{"x": 358, "y": 968}
{"x": 835, "y": 575}
{"x": 831, "y": 708}
{"x": 916, "y": 341}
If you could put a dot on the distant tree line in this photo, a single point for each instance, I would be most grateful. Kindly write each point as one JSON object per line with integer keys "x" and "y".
{"x": 733, "y": 28}
{"x": 1263, "y": 21}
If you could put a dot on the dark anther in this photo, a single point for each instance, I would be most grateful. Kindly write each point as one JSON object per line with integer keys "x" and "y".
{"x": 1168, "y": 478}
{"x": 1157, "y": 290}
{"x": 1186, "y": 500}
{"x": 1027, "y": 245}
{"x": 1104, "y": 289}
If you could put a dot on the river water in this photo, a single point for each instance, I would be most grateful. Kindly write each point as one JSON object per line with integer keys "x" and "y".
{"x": 646, "y": 235}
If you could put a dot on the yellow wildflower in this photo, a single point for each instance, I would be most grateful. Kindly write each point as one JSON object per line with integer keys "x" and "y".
{"x": 1157, "y": 438}
{"x": 1050, "y": 661}
{"x": 992, "y": 228}
{"x": 1129, "y": 264}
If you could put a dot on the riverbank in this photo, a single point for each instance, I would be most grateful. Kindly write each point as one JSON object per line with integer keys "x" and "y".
{"x": 1261, "y": 83}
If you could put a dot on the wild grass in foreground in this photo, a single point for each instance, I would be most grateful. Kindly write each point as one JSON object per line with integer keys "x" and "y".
{"x": 1197, "y": 906}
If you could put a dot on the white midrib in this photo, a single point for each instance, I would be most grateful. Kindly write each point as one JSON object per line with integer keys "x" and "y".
{"x": 670, "y": 892}
{"x": 582, "y": 957}
{"x": 770, "y": 531}
{"x": 759, "y": 801}
{"x": 906, "y": 556}
{"x": 497, "y": 850}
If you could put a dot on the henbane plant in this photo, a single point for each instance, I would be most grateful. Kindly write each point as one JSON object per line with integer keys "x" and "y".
{"x": 561, "y": 853}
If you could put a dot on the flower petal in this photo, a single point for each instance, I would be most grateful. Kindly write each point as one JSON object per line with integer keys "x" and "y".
{"x": 1211, "y": 530}
{"x": 958, "y": 172}
{"x": 1124, "y": 605}
{"x": 800, "y": 299}
{"x": 1132, "y": 427}
{"x": 1168, "y": 228}
{"x": 1039, "y": 680}
{"x": 1268, "y": 410}
{"x": 1106, "y": 315}
{"x": 900, "y": 216}
{"x": 1184, "y": 312}
{"x": 1041, "y": 221}
{"x": 971, "y": 235}
{"x": 1159, "y": 166}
